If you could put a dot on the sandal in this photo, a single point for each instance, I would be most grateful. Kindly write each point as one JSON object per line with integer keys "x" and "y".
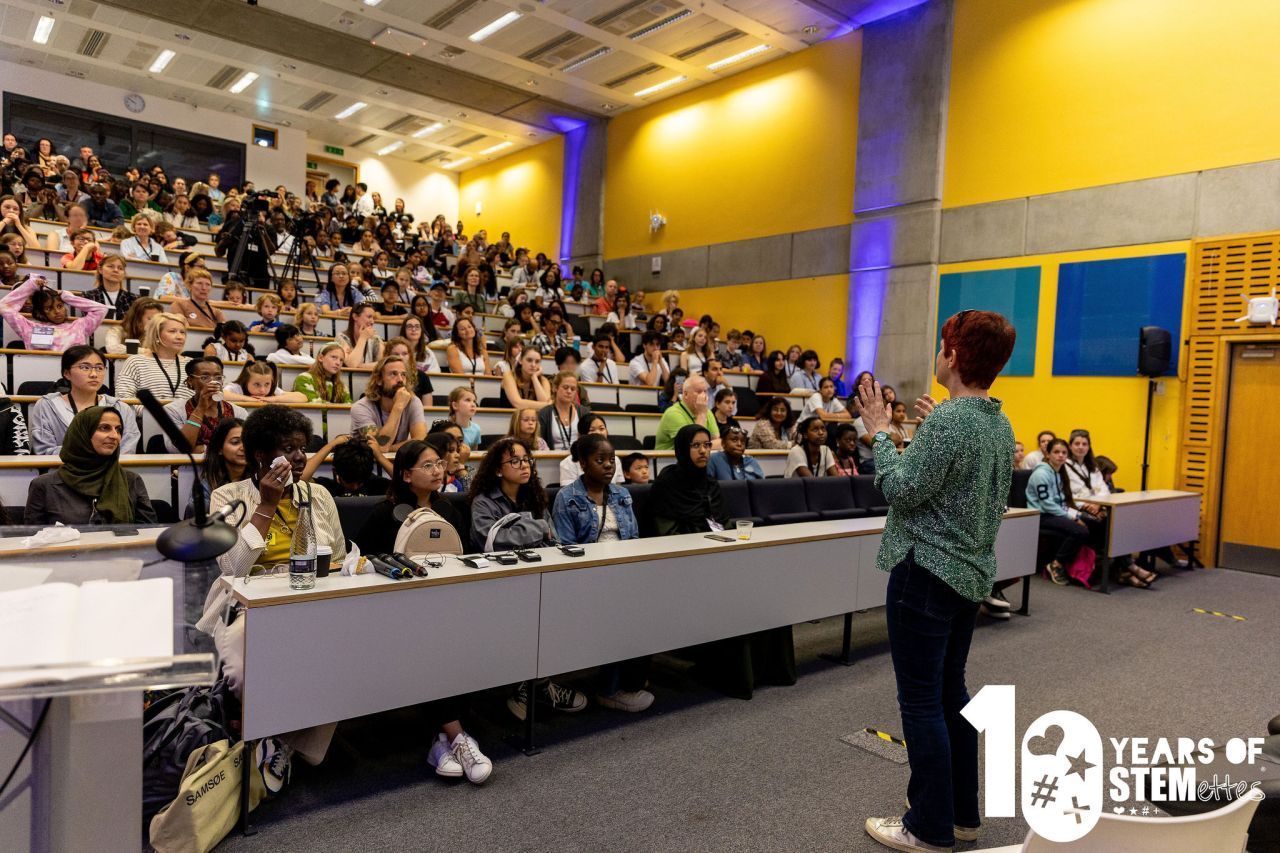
{"x": 1130, "y": 579}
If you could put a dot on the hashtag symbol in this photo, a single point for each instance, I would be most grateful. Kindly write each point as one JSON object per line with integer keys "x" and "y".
{"x": 1044, "y": 791}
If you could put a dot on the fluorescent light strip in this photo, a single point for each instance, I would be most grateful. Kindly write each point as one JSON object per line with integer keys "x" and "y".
{"x": 457, "y": 162}
{"x": 387, "y": 149}
{"x": 491, "y": 28}
{"x": 738, "y": 57}
{"x": 590, "y": 57}
{"x": 660, "y": 25}
{"x": 352, "y": 110}
{"x": 162, "y": 61}
{"x": 243, "y": 83}
{"x": 496, "y": 148}
{"x": 43, "y": 29}
{"x": 372, "y": 2}
{"x": 658, "y": 87}
{"x": 429, "y": 129}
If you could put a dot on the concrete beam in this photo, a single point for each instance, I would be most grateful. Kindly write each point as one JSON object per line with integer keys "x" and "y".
{"x": 749, "y": 261}
{"x": 995, "y": 230}
{"x": 1148, "y": 211}
{"x": 896, "y": 237}
{"x": 1238, "y": 199}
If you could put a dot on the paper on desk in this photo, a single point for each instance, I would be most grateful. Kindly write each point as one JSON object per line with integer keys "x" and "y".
{"x": 21, "y": 577}
{"x": 56, "y": 625}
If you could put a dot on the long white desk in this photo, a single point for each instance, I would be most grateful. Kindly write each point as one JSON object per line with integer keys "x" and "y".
{"x": 620, "y": 600}
{"x": 1142, "y": 521}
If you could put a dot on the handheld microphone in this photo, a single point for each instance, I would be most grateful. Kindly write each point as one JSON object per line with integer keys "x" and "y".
{"x": 201, "y": 538}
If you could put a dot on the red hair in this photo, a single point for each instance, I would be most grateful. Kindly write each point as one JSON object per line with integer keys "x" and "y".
{"x": 982, "y": 342}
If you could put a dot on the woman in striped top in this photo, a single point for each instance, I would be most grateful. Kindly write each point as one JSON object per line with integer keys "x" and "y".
{"x": 163, "y": 369}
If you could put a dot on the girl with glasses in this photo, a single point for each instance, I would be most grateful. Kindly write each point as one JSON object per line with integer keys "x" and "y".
{"x": 85, "y": 372}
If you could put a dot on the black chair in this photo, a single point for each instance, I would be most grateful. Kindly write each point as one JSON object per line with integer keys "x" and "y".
{"x": 487, "y": 441}
{"x": 626, "y": 443}
{"x": 552, "y": 491}
{"x": 650, "y": 442}
{"x": 315, "y": 443}
{"x": 748, "y": 402}
{"x": 604, "y": 407}
{"x": 581, "y": 325}
{"x": 867, "y": 496}
{"x": 155, "y": 444}
{"x": 36, "y": 388}
{"x": 462, "y": 508}
{"x": 647, "y": 408}
{"x": 492, "y": 403}
{"x": 353, "y": 512}
{"x": 831, "y": 498}
{"x": 1018, "y": 489}
{"x": 640, "y": 506}
{"x": 15, "y": 345}
{"x": 164, "y": 512}
{"x": 737, "y": 501}
{"x": 775, "y": 501}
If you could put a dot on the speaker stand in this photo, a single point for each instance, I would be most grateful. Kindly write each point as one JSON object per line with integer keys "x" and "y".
{"x": 1146, "y": 433}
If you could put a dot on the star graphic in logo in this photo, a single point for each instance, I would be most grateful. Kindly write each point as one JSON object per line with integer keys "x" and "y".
{"x": 1078, "y": 765}
{"x": 1133, "y": 811}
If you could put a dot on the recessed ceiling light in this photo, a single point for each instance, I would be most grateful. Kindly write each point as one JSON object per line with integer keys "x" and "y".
{"x": 161, "y": 61}
{"x": 245, "y": 81}
{"x": 182, "y": 37}
{"x": 811, "y": 30}
{"x": 457, "y": 162}
{"x": 531, "y": 133}
{"x": 43, "y": 28}
{"x": 658, "y": 87}
{"x": 462, "y": 115}
{"x": 496, "y": 148}
{"x": 738, "y": 57}
{"x": 352, "y": 110}
{"x": 492, "y": 27}
{"x": 288, "y": 66}
{"x": 531, "y": 82}
{"x": 431, "y": 128}
{"x": 381, "y": 92}
{"x": 372, "y": 2}
{"x": 387, "y": 149}
{"x": 660, "y": 25}
{"x": 606, "y": 107}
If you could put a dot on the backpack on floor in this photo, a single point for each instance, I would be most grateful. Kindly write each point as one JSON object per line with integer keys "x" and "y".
{"x": 425, "y": 532}
{"x": 173, "y": 728}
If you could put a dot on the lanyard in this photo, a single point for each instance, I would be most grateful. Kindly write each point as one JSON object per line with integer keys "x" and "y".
{"x": 177, "y": 372}
{"x": 603, "y": 374}
{"x": 565, "y": 429}
{"x": 202, "y": 310}
{"x": 71, "y": 401}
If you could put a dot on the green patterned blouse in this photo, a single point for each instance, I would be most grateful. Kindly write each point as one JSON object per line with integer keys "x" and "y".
{"x": 947, "y": 493}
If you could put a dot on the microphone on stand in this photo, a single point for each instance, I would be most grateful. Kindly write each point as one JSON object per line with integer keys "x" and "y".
{"x": 202, "y": 537}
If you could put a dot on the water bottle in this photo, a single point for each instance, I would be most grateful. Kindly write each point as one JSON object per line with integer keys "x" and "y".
{"x": 302, "y": 551}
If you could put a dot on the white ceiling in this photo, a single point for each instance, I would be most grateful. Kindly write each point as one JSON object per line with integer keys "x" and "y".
{"x": 423, "y": 69}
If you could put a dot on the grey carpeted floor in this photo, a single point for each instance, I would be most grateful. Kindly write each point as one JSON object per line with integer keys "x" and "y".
{"x": 700, "y": 772}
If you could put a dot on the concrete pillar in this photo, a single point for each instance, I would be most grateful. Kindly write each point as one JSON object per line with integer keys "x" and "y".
{"x": 894, "y": 243}
{"x": 582, "y": 207}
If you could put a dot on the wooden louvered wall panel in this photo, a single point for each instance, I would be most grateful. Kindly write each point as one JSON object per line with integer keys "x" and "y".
{"x": 1224, "y": 273}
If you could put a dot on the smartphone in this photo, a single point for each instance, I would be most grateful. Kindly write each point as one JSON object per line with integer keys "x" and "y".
{"x": 719, "y": 538}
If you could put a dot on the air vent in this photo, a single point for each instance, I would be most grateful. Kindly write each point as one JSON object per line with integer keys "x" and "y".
{"x": 364, "y": 140}
{"x": 468, "y": 140}
{"x": 590, "y": 57}
{"x": 403, "y": 121}
{"x": 451, "y": 52}
{"x": 443, "y": 19}
{"x": 430, "y": 157}
{"x": 639, "y": 72}
{"x": 225, "y": 77}
{"x": 707, "y": 45}
{"x": 634, "y": 16}
{"x": 659, "y": 25}
{"x": 548, "y": 46}
{"x": 316, "y": 101}
{"x": 93, "y": 43}
{"x": 141, "y": 56}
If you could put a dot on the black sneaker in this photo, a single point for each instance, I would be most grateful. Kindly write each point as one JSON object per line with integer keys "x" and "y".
{"x": 518, "y": 702}
{"x": 561, "y": 698}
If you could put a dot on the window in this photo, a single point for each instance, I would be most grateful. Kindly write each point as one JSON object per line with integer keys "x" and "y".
{"x": 264, "y": 137}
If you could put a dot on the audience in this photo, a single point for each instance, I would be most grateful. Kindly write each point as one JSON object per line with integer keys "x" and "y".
{"x": 731, "y": 462}
{"x": 1059, "y": 520}
{"x": 524, "y": 386}
{"x": 825, "y": 403}
{"x": 197, "y": 416}
{"x": 691, "y": 408}
{"x": 162, "y": 343}
{"x": 811, "y": 457}
{"x": 111, "y": 288}
{"x": 133, "y": 326}
{"x": 774, "y": 379}
{"x": 805, "y": 377}
{"x": 355, "y": 471}
{"x": 592, "y": 423}
{"x": 773, "y": 425}
{"x": 462, "y": 411}
{"x": 224, "y": 459}
{"x": 422, "y": 389}
{"x": 360, "y": 342}
{"x": 524, "y": 426}
{"x": 200, "y": 313}
{"x": 466, "y": 352}
{"x": 635, "y": 468}
{"x": 49, "y": 327}
{"x": 724, "y": 409}
{"x": 1035, "y": 457}
{"x": 650, "y": 366}
{"x": 85, "y": 370}
{"x": 259, "y": 381}
{"x": 91, "y": 486}
{"x": 140, "y": 247}
{"x": 387, "y": 412}
{"x": 559, "y": 421}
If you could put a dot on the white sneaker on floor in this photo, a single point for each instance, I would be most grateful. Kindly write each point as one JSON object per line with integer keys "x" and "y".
{"x": 274, "y": 761}
{"x": 477, "y": 765}
{"x": 994, "y": 612}
{"x": 890, "y": 832}
{"x": 996, "y": 601}
{"x": 962, "y": 833}
{"x": 443, "y": 759}
{"x": 631, "y": 701}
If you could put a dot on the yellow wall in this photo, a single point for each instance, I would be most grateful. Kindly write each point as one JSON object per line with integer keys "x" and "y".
{"x": 758, "y": 307}
{"x": 1051, "y": 95}
{"x": 520, "y": 193}
{"x": 1113, "y": 409}
{"x": 767, "y": 151}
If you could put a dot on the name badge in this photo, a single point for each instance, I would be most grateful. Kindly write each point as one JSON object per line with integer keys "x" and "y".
{"x": 42, "y": 337}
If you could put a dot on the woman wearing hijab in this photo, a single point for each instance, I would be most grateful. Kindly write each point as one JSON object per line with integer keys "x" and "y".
{"x": 686, "y": 500}
{"x": 91, "y": 487}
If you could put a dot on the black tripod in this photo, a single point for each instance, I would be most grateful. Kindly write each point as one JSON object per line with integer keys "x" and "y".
{"x": 294, "y": 259}
{"x": 253, "y": 238}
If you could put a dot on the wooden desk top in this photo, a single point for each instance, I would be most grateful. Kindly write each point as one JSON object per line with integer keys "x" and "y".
{"x": 1149, "y": 496}
{"x": 89, "y": 540}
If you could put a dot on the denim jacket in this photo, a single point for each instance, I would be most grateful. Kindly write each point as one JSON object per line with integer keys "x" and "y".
{"x": 577, "y": 517}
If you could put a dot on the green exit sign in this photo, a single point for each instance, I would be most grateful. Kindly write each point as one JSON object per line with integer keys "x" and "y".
{"x": 311, "y": 164}
{"x": 333, "y": 149}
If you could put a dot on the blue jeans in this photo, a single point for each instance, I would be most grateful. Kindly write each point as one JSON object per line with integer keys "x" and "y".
{"x": 930, "y": 629}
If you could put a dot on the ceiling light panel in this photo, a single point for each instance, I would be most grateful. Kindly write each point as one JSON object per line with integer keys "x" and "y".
{"x": 44, "y": 30}
{"x": 494, "y": 26}
{"x": 162, "y": 61}
{"x": 246, "y": 80}
{"x": 739, "y": 57}
{"x": 661, "y": 86}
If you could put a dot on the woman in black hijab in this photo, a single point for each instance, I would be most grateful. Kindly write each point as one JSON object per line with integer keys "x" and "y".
{"x": 686, "y": 500}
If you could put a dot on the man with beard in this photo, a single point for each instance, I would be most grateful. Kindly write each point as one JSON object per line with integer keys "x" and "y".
{"x": 389, "y": 413}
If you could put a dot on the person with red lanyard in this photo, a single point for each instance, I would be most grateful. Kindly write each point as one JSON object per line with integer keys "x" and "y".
{"x": 199, "y": 415}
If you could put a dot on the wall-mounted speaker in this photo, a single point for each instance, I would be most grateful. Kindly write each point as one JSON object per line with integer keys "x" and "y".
{"x": 1154, "y": 348}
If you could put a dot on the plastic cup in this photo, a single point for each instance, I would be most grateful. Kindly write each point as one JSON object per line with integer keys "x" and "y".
{"x": 131, "y": 346}
{"x": 744, "y": 530}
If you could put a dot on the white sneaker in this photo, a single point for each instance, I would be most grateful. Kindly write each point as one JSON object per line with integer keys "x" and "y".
{"x": 996, "y": 601}
{"x": 994, "y": 612}
{"x": 274, "y": 760}
{"x": 962, "y": 833}
{"x": 631, "y": 701}
{"x": 890, "y": 832}
{"x": 477, "y": 765}
{"x": 442, "y": 758}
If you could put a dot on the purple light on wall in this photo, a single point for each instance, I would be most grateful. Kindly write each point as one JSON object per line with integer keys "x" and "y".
{"x": 874, "y": 12}
{"x": 867, "y": 290}
{"x": 575, "y": 137}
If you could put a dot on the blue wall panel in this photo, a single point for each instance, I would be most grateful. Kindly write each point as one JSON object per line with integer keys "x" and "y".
{"x": 1015, "y": 293}
{"x": 1101, "y": 306}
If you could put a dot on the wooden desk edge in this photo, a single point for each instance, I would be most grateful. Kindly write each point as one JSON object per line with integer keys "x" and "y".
{"x": 1121, "y": 499}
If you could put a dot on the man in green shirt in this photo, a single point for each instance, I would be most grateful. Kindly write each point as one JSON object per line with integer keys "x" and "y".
{"x": 947, "y": 493}
{"x": 691, "y": 408}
